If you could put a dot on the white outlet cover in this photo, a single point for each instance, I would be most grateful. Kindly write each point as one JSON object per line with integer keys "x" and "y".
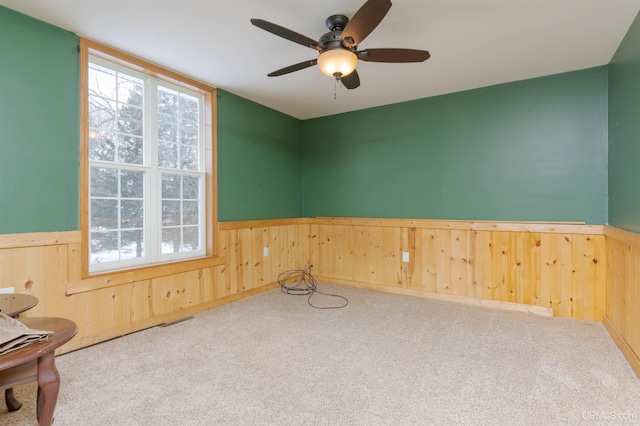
{"x": 6, "y": 290}
{"x": 266, "y": 251}
{"x": 405, "y": 256}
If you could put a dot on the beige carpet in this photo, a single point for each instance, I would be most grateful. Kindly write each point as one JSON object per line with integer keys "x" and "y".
{"x": 384, "y": 359}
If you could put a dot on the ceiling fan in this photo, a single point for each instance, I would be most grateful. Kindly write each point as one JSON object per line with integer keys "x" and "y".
{"x": 338, "y": 48}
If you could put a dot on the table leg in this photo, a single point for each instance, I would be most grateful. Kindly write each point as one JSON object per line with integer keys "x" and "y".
{"x": 12, "y": 403}
{"x": 48, "y": 387}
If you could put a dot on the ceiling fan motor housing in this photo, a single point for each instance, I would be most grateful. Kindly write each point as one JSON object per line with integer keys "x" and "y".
{"x": 333, "y": 39}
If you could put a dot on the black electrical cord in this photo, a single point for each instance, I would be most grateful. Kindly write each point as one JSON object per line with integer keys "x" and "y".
{"x": 306, "y": 286}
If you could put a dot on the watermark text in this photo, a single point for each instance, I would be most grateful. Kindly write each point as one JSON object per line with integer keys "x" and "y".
{"x": 603, "y": 415}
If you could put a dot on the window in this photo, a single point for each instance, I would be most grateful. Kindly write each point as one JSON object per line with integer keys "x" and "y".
{"x": 148, "y": 182}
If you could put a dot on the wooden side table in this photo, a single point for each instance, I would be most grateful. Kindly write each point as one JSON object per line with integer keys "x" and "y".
{"x": 37, "y": 362}
{"x": 13, "y": 305}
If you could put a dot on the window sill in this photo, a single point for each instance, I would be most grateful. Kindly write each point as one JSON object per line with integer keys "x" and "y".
{"x": 117, "y": 278}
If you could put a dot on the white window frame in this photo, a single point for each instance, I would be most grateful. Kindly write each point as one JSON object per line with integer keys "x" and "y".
{"x": 153, "y": 77}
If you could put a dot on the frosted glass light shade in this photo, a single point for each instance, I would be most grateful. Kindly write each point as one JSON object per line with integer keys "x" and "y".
{"x": 337, "y": 61}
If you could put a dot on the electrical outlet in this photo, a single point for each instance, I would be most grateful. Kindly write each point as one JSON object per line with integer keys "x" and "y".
{"x": 405, "y": 256}
{"x": 266, "y": 251}
{"x": 6, "y": 290}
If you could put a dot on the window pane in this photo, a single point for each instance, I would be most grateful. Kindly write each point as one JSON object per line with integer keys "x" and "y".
{"x": 189, "y": 107}
{"x": 170, "y": 240}
{"x": 102, "y": 82}
{"x": 102, "y": 147}
{"x": 104, "y": 182}
{"x": 167, "y": 128}
{"x": 190, "y": 213}
{"x": 189, "y": 157}
{"x": 130, "y": 90}
{"x": 131, "y": 184}
{"x": 190, "y": 187}
{"x": 132, "y": 244}
{"x": 167, "y": 101}
{"x": 190, "y": 236}
{"x": 102, "y": 114}
{"x": 188, "y": 132}
{"x": 102, "y": 119}
{"x": 130, "y": 120}
{"x": 131, "y": 150}
{"x": 188, "y": 137}
{"x": 170, "y": 213}
{"x": 104, "y": 214}
{"x": 132, "y": 214}
{"x": 168, "y": 155}
{"x": 104, "y": 247}
{"x": 170, "y": 186}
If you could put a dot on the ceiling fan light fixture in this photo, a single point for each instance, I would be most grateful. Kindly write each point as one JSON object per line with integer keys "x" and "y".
{"x": 337, "y": 61}
{"x": 338, "y": 54}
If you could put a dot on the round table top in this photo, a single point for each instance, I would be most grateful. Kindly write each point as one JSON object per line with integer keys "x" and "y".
{"x": 14, "y": 304}
{"x": 63, "y": 329}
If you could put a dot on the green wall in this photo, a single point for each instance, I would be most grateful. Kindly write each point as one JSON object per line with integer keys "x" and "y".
{"x": 39, "y": 122}
{"x": 259, "y": 153}
{"x": 258, "y": 161}
{"x": 624, "y": 132}
{"x": 531, "y": 150}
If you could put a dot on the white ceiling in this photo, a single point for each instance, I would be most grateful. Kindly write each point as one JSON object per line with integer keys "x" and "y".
{"x": 473, "y": 43}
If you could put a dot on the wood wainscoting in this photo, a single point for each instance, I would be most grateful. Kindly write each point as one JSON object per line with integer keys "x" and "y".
{"x": 573, "y": 270}
{"x": 622, "y": 318}
{"x": 558, "y": 266}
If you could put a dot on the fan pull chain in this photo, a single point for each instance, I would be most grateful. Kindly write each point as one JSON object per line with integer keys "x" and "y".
{"x": 337, "y": 82}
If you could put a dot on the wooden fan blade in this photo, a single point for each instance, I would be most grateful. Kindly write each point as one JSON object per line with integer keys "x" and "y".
{"x": 292, "y": 68}
{"x": 365, "y": 20}
{"x": 351, "y": 81}
{"x": 286, "y": 33}
{"x": 393, "y": 55}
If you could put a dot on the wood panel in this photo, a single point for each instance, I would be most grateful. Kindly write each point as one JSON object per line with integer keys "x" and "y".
{"x": 426, "y": 261}
{"x": 623, "y": 292}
